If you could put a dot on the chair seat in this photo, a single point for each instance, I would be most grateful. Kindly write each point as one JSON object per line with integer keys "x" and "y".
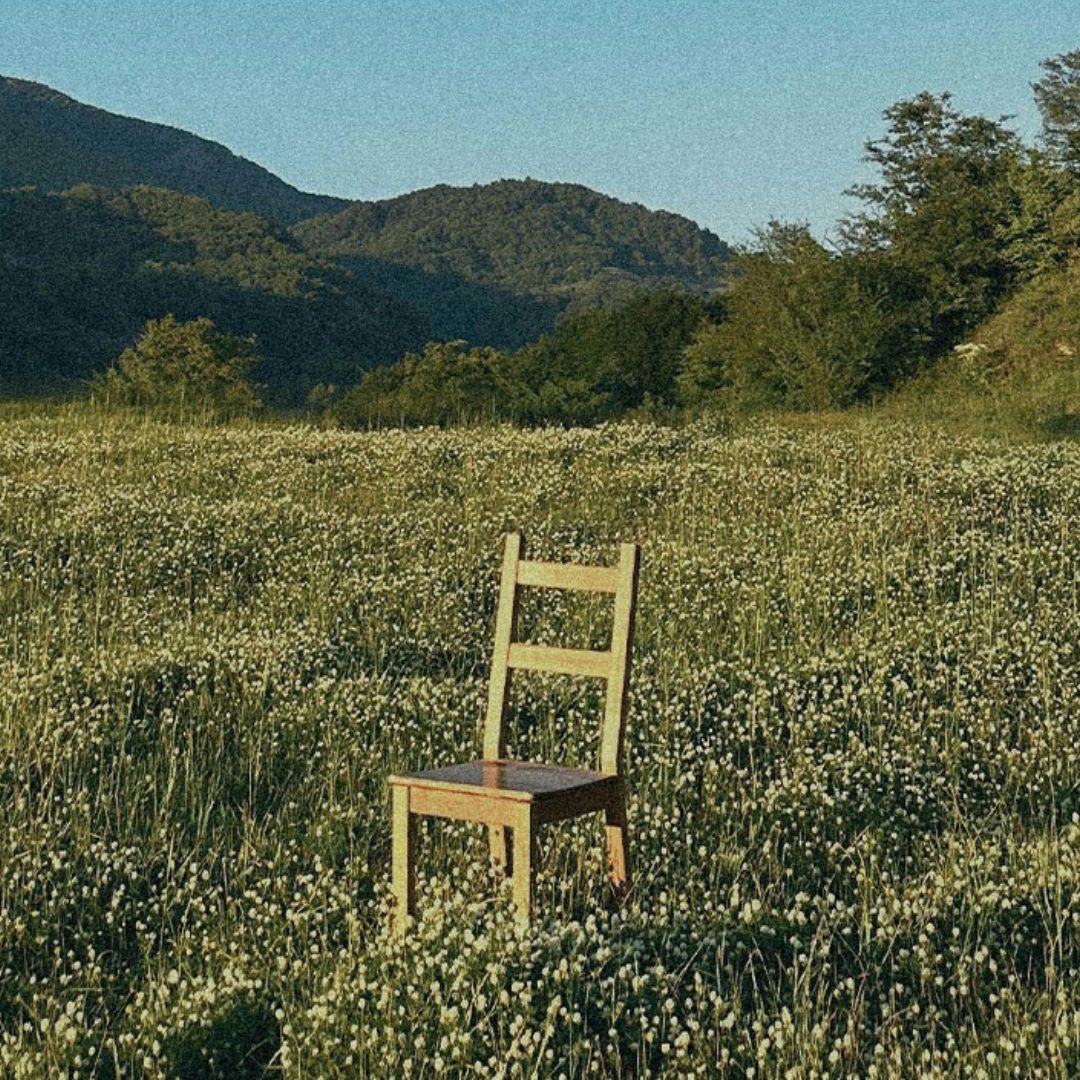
{"x": 497, "y": 791}
{"x": 521, "y": 781}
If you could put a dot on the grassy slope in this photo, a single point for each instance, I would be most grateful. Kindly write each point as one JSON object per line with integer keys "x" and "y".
{"x": 1021, "y": 370}
{"x": 853, "y": 750}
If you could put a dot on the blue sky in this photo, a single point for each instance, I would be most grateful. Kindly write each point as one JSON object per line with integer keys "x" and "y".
{"x": 730, "y": 113}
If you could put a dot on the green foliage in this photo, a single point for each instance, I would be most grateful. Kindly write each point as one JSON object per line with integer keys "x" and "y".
{"x": 496, "y": 263}
{"x": 805, "y": 328}
{"x": 1057, "y": 94}
{"x": 601, "y": 364}
{"x": 445, "y": 383}
{"x": 50, "y": 141}
{"x": 961, "y": 216}
{"x": 595, "y": 366}
{"x": 1021, "y": 370}
{"x": 183, "y": 366}
{"x": 85, "y": 270}
{"x": 1043, "y": 228}
{"x": 943, "y": 200}
{"x": 454, "y": 306}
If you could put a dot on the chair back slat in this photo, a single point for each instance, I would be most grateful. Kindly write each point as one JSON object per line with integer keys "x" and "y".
{"x": 561, "y": 661}
{"x": 601, "y": 579}
{"x": 611, "y": 664}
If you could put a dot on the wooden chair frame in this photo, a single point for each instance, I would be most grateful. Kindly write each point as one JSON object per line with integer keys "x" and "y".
{"x": 515, "y": 798}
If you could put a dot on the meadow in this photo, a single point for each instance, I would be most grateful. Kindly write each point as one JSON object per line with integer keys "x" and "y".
{"x": 853, "y": 752}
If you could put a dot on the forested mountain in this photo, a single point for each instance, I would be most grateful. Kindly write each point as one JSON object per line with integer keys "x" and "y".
{"x": 51, "y": 141}
{"x": 81, "y": 272}
{"x": 496, "y": 263}
{"x": 354, "y": 284}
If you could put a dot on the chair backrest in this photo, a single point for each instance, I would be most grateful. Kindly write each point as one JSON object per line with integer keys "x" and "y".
{"x": 612, "y": 664}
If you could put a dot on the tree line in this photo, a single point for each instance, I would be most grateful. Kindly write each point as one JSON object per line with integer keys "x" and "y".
{"x": 962, "y": 216}
{"x": 81, "y": 272}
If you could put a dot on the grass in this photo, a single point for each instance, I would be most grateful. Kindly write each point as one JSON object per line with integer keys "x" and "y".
{"x": 854, "y": 751}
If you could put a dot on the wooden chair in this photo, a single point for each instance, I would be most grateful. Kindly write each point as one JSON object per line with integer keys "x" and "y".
{"x": 520, "y": 796}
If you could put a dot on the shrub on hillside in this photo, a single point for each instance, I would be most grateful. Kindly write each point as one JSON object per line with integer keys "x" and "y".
{"x": 806, "y": 329}
{"x": 185, "y": 366}
{"x": 1032, "y": 346}
{"x": 1021, "y": 368}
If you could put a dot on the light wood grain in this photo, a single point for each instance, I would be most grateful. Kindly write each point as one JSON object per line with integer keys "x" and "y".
{"x": 515, "y": 798}
{"x": 523, "y": 876}
{"x": 622, "y": 632}
{"x": 464, "y": 806}
{"x": 617, "y": 845}
{"x": 592, "y": 662}
{"x": 600, "y": 579}
{"x": 505, "y": 632}
{"x": 403, "y": 859}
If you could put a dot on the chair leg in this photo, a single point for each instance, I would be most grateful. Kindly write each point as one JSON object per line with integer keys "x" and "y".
{"x": 524, "y": 872}
{"x": 618, "y": 853}
{"x": 403, "y": 865}
{"x": 502, "y": 852}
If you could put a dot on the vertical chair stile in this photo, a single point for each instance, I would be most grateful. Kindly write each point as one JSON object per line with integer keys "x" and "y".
{"x": 506, "y": 621}
{"x": 613, "y": 730}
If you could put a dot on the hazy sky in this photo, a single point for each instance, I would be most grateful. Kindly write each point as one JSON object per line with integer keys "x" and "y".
{"x": 730, "y": 113}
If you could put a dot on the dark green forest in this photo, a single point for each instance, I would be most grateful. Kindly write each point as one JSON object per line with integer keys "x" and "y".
{"x": 51, "y": 141}
{"x": 550, "y": 303}
{"x": 83, "y": 271}
{"x": 107, "y": 222}
{"x": 550, "y": 249}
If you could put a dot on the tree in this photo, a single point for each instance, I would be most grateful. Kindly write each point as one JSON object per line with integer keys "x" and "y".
{"x": 599, "y": 364}
{"x": 184, "y": 365}
{"x": 944, "y": 198}
{"x": 1057, "y": 94}
{"x": 806, "y": 328}
{"x": 445, "y": 383}
{"x": 1043, "y": 230}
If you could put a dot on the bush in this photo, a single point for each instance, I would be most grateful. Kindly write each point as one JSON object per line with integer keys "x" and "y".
{"x": 446, "y": 383}
{"x": 183, "y": 366}
{"x": 806, "y": 329}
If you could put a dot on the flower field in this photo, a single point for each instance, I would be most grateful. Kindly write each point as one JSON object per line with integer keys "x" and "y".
{"x": 853, "y": 753}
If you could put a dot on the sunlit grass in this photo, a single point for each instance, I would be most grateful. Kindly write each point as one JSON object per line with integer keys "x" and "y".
{"x": 853, "y": 751}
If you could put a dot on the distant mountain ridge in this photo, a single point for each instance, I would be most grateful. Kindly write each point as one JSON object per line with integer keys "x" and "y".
{"x": 130, "y": 220}
{"x": 557, "y": 244}
{"x": 52, "y": 141}
{"x": 82, "y": 271}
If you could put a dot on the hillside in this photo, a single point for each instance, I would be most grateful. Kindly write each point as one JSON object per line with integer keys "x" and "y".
{"x": 51, "y": 141}
{"x": 130, "y": 219}
{"x": 80, "y": 273}
{"x": 497, "y": 263}
{"x": 1021, "y": 368}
